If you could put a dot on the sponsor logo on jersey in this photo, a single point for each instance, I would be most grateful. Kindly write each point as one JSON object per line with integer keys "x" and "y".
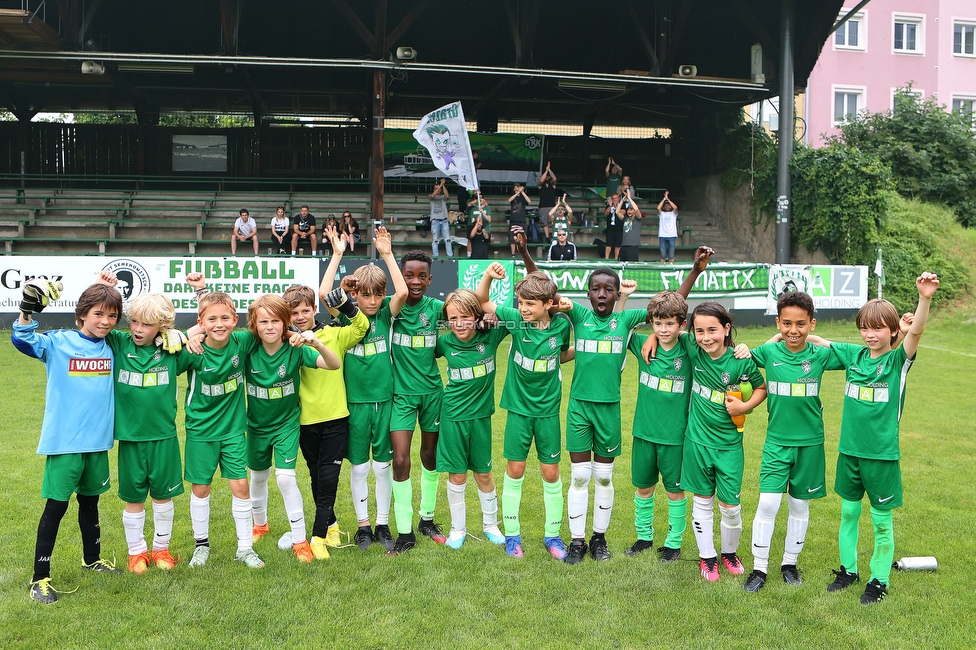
{"x": 89, "y": 367}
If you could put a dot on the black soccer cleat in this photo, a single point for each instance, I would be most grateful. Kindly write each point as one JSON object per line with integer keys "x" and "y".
{"x": 430, "y": 529}
{"x": 598, "y": 547}
{"x": 403, "y": 544}
{"x": 755, "y": 581}
{"x": 384, "y": 536}
{"x": 576, "y": 551}
{"x": 669, "y": 555}
{"x": 874, "y": 592}
{"x": 639, "y": 546}
{"x": 842, "y": 580}
{"x": 363, "y": 537}
{"x": 791, "y": 575}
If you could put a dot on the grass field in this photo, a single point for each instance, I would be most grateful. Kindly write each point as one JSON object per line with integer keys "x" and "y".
{"x": 478, "y": 597}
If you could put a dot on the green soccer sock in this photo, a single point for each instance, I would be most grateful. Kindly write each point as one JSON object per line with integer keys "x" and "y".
{"x": 884, "y": 545}
{"x": 552, "y": 497}
{"x": 677, "y": 520}
{"x": 403, "y": 506}
{"x": 428, "y": 493}
{"x": 511, "y": 501}
{"x": 644, "y": 517}
{"x": 850, "y": 513}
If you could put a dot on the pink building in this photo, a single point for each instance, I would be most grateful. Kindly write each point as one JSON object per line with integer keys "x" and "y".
{"x": 886, "y": 45}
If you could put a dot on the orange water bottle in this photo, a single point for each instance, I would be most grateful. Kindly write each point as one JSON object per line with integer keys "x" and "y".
{"x": 734, "y": 390}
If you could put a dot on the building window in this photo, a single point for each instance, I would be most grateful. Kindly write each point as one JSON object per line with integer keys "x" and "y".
{"x": 918, "y": 94}
{"x": 851, "y": 35}
{"x": 964, "y": 39}
{"x": 908, "y": 36}
{"x": 847, "y": 102}
{"x": 965, "y": 105}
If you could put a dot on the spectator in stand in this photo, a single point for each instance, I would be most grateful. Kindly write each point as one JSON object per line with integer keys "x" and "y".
{"x": 331, "y": 224}
{"x": 547, "y": 198}
{"x": 667, "y": 230}
{"x": 303, "y": 230}
{"x": 518, "y": 202}
{"x": 478, "y": 208}
{"x": 349, "y": 232}
{"x": 615, "y": 225}
{"x": 279, "y": 230}
{"x": 562, "y": 250}
{"x": 614, "y": 176}
{"x": 245, "y": 228}
{"x": 479, "y": 239}
{"x": 440, "y": 229}
{"x": 626, "y": 192}
{"x": 631, "y": 239}
{"x": 561, "y": 215}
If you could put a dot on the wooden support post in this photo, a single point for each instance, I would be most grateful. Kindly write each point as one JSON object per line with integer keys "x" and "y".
{"x": 377, "y": 168}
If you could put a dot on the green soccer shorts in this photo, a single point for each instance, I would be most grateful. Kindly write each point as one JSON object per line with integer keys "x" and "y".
{"x": 408, "y": 410}
{"x": 520, "y": 431}
{"x": 464, "y": 446}
{"x": 150, "y": 468}
{"x": 802, "y": 470}
{"x": 651, "y": 459}
{"x": 706, "y": 471}
{"x": 593, "y": 426}
{"x": 67, "y": 474}
{"x": 881, "y": 479}
{"x": 369, "y": 430}
{"x": 204, "y": 457}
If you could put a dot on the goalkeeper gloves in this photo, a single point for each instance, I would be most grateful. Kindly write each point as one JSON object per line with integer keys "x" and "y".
{"x": 38, "y": 294}
{"x": 171, "y": 341}
{"x": 338, "y": 299}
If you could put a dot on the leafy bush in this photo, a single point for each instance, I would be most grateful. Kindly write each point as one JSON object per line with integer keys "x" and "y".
{"x": 916, "y": 237}
{"x": 840, "y": 199}
{"x": 931, "y": 152}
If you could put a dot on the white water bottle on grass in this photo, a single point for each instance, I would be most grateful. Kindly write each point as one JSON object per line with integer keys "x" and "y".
{"x": 926, "y": 563}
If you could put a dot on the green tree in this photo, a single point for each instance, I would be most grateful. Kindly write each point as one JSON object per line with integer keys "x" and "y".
{"x": 931, "y": 152}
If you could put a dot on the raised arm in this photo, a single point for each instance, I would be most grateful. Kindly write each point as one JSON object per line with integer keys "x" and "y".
{"x": 518, "y": 236}
{"x": 495, "y": 271}
{"x": 338, "y": 248}
{"x": 382, "y": 242}
{"x": 702, "y": 255}
{"x": 927, "y": 283}
{"x": 627, "y": 287}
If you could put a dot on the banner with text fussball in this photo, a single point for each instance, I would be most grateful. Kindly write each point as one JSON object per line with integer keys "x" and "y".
{"x": 244, "y": 279}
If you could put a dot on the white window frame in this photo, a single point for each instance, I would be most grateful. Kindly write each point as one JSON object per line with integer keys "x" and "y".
{"x": 912, "y": 19}
{"x": 963, "y": 22}
{"x": 965, "y": 98}
{"x": 862, "y": 102}
{"x": 918, "y": 92}
{"x": 862, "y": 32}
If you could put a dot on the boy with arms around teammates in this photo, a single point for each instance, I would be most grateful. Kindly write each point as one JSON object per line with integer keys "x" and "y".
{"x": 793, "y": 454}
{"x": 216, "y": 422}
{"x": 79, "y": 414}
{"x": 531, "y": 395}
{"x": 324, "y": 420}
{"x": 869, "y": 456}
{"x": 417, "y": 397}
{"x": 661, "y": 415}
{"x": 368, "y": 368}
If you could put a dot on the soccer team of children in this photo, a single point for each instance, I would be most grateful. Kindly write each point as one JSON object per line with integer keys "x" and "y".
{"x": 288, "y": 385}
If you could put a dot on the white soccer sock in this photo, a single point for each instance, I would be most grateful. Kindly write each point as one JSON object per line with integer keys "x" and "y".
{"x": 731, "y": 527}
{"x": 383, "y": 474}
{"x": 455, "y": 499}
{"x": 762, "y": 528}
{"x": 360, "y": 491}
{"x": 241, "y": 509}
{"x": 134, "y": 524}
{"x": 576, "y": 498}
{"x": 200, "y": 516}
{"x": 489, "y": 508}
{"x": 163, "y": 514}
{"x": 294, "y": 504}
{"x": 259, "y": 495}
{"x": 796, "y": 528}
{"x": 703, "y": 521}
{"x": 602, "y": 496}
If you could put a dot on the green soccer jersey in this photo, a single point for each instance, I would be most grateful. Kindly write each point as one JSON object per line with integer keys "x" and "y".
{"x": 664, "y": 386}
{"x": 470, "y": 390}
{"x": 368, "y": 366}
{"x": 145, "y": 388}
{"x": 709, "y": 424}
{"x": 601, "y": 349}
{"x": 414, "y": 337}
{"x": 272, "y": 388}
{"x": 534, "y": 383}
{"x": 874, "y": 397}
{"x": 215, "y": 408}
{"x": 793, "y": 383}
